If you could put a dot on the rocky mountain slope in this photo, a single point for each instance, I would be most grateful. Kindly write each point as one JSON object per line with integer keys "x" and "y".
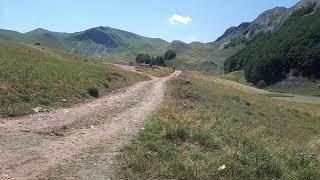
{"x": 269, "y": 21}
{"x": 292, "y": 50}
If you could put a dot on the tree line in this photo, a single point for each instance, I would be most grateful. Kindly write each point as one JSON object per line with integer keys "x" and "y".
{"x": 155, "y": 60}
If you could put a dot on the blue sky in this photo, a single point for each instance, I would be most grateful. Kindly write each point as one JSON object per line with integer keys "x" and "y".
{"x": 194, "y": 20}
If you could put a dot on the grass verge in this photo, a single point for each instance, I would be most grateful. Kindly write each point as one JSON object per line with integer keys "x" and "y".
{"x": 33, "y": 77}
{"x": 204, "y": 126}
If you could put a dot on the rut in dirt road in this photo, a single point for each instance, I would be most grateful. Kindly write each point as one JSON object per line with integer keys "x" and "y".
{"x": 37, "y": 145}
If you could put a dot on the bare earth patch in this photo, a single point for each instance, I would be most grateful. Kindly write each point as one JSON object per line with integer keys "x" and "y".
{"x": 78, "y": 142}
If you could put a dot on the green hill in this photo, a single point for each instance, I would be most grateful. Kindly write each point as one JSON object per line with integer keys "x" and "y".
{"x": 32, "y": 76}
{"x": 100, "y": 42}
{"x": 208, "y": 57}
{"x": 293, "y": 49}
{"x": 119, "y": 46}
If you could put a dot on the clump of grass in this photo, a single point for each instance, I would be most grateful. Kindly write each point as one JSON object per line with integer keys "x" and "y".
{"x": 190, "y": 138}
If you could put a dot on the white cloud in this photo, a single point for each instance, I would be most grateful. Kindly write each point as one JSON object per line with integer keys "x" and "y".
{"x": 178, "y": 19}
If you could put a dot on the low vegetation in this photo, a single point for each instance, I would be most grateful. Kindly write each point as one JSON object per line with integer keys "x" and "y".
{"x": 207, "y": 130}
{"x": 32, "y": 77}
{"x": 293, "y": 49}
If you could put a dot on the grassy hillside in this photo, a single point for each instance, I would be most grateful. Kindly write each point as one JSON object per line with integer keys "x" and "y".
{"x": 207, "y": 57}
{"x": 33, "y": 77}
{"x": 205, "y": 126}
{"x": 294, "y": 49}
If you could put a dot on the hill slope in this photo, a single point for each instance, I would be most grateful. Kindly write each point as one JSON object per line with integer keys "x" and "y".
{"x": 33, "y": 77}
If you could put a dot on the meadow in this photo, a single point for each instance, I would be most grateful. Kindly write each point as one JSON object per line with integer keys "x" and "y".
{"x": 206, "y": 130}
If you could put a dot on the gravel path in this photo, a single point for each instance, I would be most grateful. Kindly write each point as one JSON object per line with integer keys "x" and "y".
{"x": 79, "y": 142}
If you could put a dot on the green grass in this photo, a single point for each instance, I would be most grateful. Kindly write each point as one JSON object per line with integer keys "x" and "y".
{"x": 30, "y": 77}
{"x": 204, "y": 125}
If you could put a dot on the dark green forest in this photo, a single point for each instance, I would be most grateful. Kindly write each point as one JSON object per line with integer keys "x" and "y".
{"x": 294, "y": 48}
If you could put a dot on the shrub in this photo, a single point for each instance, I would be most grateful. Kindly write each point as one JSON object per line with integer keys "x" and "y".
{"x": 94, "y": 92}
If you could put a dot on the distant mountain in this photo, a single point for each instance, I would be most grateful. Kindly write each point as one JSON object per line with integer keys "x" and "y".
{"x": 268, "y": 21}
{"x": 96, "y": 42}
{"x": 191, "y": 56}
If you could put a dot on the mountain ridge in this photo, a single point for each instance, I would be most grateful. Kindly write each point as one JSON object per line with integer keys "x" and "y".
{"x": 95, "y": 42}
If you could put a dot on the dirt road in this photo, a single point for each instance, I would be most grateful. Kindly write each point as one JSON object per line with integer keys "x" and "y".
{"x": 79, "y": 142}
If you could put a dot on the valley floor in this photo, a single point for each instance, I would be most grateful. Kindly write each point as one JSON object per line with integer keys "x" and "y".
{"x": 78, "y": 142}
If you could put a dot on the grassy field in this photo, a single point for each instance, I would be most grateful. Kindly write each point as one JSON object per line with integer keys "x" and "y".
{"x": 157, "y": 71}
{"x": 33, "y": 77}
{"x": 206, "y": 130}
